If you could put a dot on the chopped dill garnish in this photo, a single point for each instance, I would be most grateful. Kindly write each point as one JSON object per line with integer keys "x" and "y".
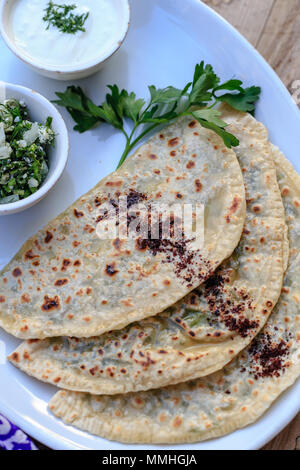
{"x": 61, "y": 17}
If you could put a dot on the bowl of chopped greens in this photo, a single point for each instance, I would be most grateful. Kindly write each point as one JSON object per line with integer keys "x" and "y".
{"x": 34, "y": 147}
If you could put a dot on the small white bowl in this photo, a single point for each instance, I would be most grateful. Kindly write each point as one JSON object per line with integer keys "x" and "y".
{"x": 39, "y": 108}
{"x": 66, "y": 72}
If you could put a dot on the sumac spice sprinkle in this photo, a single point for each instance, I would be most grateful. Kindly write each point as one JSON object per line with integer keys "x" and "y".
{"x": 269, "y": 356}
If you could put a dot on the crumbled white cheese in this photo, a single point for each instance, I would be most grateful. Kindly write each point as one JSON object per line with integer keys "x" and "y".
{"x": 22, "y": 143}
{"x": 5, "y": 148}
{"x": 32, "y": 134}
{"x": 2, "y": 133}
{"x": 33, "y": 183}
{"x": 5, "y": 151}
{"x": 45, "y": 134}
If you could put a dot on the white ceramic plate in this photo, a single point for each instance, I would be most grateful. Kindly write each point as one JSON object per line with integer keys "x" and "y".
{"x": 166, "y": 39}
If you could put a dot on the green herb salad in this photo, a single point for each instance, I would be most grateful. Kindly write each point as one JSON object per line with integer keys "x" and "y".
{"x": 23, "y": 151}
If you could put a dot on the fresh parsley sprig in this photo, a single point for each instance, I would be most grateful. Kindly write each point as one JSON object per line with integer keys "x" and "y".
{"x": 63, "y": 18}
{"x": 197, "y": 99}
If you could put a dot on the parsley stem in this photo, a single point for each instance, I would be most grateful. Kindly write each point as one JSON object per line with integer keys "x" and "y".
{"x": 130, "y": 146}
{"x": 127, "y": 149}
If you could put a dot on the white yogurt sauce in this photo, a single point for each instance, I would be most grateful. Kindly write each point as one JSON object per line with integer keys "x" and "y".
{"x": 52, "y": 47}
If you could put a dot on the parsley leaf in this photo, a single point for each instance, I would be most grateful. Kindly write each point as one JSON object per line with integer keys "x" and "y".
{"x": 197, "y": 99}
{"x": 133, "y": 107}
{"x": 244, "y": 100}
{"x": 81, "y": 108}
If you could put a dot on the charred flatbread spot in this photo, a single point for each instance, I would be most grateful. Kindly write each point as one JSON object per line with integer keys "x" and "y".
{"x": 179, "y": 196}
{"x": 76, "y": 244}
{"x": 78, "y": 213}
{"x": 177, "y": 422}
{"x": 198, "y": 185}
{"x": 166, "y": 282}
{"x": 61, "y": 282}
{"x": 26, "y": 356}
{"x": 285, "y": 191}
{"x": 256, "y": 209}
{"x": 97, "y": 201}
{"x": 109, "y": 372}
{"x": 2, "y": 299}
{"x": 17, "y": 272}
{"x": 157, "y": 172}
{"x": 114, "y": 183}
{"x": 87, "y": 319}
{"x": 235, "y": 205}
{"x": 56, "y": 380}
{"x": 65, "y": 264}
{"x": 111, "y": 270}
{"x": 141, "y": 244}
{"x": 173, "y": 153}
{"x": 15, "y": 357}
{"x": 104, "y": 302}
{"x": 269, "y": 304}
{"x": 296, "y": 203}
{"x": 138, "y": 401}
{"x": 77, "y": 262}
{"x": 37, "y": 244}
{"x": 162, "y": 351}
{"x": 88, "y": 290}
{"x": 192, "y": 124}
{"x": 50, "y": 303}
{"x": 173, "y": 142}
{"x": 48, "y": 237}
{"x": 25, "y": 299}
{"x": 117, "y": 243}
{"x": 152, "y": 156}
{"x": 88, "y": 228}
{"x": 190, "y": 165}
{"x": 123, "y": 370}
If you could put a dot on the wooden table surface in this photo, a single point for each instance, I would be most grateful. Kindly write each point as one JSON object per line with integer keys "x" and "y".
{"x": 273, "y": 27}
